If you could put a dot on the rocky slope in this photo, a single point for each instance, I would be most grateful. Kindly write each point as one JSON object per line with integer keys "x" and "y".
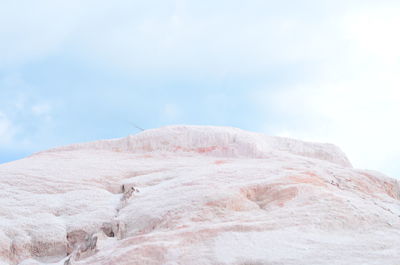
{"x": 197, "y": 195}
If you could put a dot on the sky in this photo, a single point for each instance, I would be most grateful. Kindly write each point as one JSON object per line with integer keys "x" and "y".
{"x": 327, "y": 71}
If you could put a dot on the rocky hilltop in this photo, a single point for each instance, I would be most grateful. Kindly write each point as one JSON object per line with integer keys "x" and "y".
{"x": 197, "y": 195}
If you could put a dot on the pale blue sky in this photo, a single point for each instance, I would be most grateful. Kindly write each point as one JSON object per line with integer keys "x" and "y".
{"x": 73, "y": 71}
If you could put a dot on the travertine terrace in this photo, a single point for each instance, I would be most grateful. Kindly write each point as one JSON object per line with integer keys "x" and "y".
{"x": 197, "y": 195}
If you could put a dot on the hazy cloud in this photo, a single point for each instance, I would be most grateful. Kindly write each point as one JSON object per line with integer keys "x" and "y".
{"x": 6, "y": 129}
{"x": 354, "y": 99}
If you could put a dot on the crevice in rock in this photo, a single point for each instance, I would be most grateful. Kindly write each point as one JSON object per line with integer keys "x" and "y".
{"x": 128, "y": 190}
{"x": 80, "y": 245}
{"x": 115, "y": 228}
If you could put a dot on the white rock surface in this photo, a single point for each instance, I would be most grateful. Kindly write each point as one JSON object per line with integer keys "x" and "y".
{"x": 197, "y": 195}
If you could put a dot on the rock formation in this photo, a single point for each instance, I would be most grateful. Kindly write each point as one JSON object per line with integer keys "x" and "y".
{"x": 208, "y": 195}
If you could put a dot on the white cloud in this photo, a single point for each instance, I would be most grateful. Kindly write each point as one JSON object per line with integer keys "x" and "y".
{"x": 6, "y": 130}
{"x": 206, "y": 36}
{"x": 209, "y": 37}
{"x": 31, "y": 30}
{"x": 25, "y": 116}
{"x": 42, "y": 109}
{"x": 374, "y": 33}
{"x": 353, "y": 100}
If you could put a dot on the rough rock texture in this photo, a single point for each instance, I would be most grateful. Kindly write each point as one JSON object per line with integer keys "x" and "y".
{"x": 197, "y": 195}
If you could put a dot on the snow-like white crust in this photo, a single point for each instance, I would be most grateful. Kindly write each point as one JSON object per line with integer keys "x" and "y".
{"x": 196, "y": 195}
{"x": 215, "y": 141}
